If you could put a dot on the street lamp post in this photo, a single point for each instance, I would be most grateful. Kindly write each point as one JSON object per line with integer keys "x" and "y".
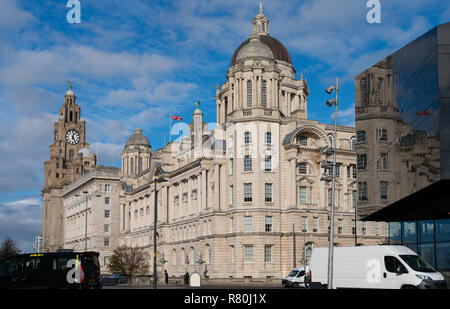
{"x": 155, "y": 276}
{"x": 330, "y": 103}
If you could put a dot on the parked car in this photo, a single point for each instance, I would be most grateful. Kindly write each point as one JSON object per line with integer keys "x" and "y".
{"x": 385, "y": 267}
{"x": 296, "y": 277}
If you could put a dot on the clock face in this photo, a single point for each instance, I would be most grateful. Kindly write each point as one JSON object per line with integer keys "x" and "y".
{"x": 72, "y": 137}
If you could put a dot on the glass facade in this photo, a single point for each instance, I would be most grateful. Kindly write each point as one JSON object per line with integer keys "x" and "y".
{"x": 429, "y": 238}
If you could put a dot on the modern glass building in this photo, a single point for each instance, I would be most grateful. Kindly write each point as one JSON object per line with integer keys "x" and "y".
{"x": 402, "y": 114}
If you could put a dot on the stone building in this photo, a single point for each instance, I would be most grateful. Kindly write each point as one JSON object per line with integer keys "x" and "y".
{"x": 238, "y": 197}
{"x": 91, "y": 213}
{"x": 70, "y": 158}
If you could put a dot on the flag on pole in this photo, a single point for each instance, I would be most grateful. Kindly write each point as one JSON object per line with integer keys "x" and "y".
{"x": 173, "y": 117}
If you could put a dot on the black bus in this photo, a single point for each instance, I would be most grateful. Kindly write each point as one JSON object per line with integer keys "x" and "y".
{"x": 52, "y": 270}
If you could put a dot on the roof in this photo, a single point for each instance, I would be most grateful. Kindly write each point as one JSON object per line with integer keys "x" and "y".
{"x": 138, "y": 139}
{"x": 276, "y": 47}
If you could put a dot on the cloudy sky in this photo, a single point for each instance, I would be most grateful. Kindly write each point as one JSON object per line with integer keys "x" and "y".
{"x": 135, "y": 62}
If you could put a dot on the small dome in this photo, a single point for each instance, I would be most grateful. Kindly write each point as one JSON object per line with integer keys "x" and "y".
{"x": 138, "y": 139}
{"x": 70, "y": 92}
{"x": 254, "y": 48}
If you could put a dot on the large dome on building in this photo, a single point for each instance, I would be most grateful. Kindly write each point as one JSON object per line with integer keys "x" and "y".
{"x": 138, "y": 139}
{"x": 258, "y": 45}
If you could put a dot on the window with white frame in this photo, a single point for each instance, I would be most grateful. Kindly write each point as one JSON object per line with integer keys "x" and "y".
{"x": 247, "y": 163}
{"x": 268, "y": 253}
{"x": 248, "y": 253}
{"x": 247, "y": 137}
{"x": 353, "y": 227}
{"x": 268, "y": 193}
{"x": 302, "y": 199}
{"x": 302, "y": 168}
{"x": 268, "y": 163}
{"x": 353, "y": 143}
{"x": 249, "y": 94}
{"x": 248, "y": 224}
{"x": 268, "y": 224}
{"x": 340, "y": 226}
{"x": 107, "y": 188}
{"x": 383, "y": 190}
{"x": 330, "y": 197}
{"x": 107, "y": 200}
{"x": 268, "y": 138}
{"x": 315, "y": 224}
{"x": 264, "y": 93}
{"x": 304, "y": 224}
{"x": 247, "y": 192}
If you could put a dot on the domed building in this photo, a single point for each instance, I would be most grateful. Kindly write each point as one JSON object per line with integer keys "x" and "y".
{"x": 237, "y": 199}
{"x": 136, "y": 155}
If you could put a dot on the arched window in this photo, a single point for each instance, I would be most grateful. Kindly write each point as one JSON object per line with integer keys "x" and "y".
{"x": 264, "y": 93}
{"x": 331, "y": 138}
{"x": 353, "y": 143}
{"x": 249, "y": 93}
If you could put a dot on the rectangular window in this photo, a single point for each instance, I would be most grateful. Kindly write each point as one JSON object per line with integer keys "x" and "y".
{"x": 247, "y": 163}
{"x": 107, "y": 200}
{"x": 268, "y": 192}
{"x": 268, "y": 224}
{"x": 302, "y": 195}
{"x": 268, "y": 138}
{"x": 107, "y": 213}
{"x": 303, "y": 140}
{"x": 353, "y": 227}
{"x": 362, "y": 161}
{"x": 349, "y": 167}
{"x": 338, "y": 170}
{"x": 364, "y": 228}
{"x": 354, "y": 198}
{"x": 106, "y": 242}
{"x": 302, "y": 169}
{"x": 249, "y": 93}
{"x": 106, "y": 229}
{"x": 315, "y": 224}
{"x": 383, "y": 190}
{"x": 304, "y": 224}
{"x": 340, "y": 226}
{"x": 268, "y": 163}
{"x": 248, "y": 253}
{"x": 381, "y": 135}
{"x": 247, "y": 137}
{"x": 247, "y": 192}
{"x": 362, "y": 191}
{"x": 354, "y": 171}
{"x": 247, "y": 224}
{"x": 268, "y": 253}
{"x": 107, "y": 188}
{"x": 377, "y": 229}
{"x": 361, "y": 136}
{"x": 330, "y": 197}
{"x": 264, "y": 93}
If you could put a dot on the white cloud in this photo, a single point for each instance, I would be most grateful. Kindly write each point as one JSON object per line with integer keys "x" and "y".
{"x": 12, "y": 17}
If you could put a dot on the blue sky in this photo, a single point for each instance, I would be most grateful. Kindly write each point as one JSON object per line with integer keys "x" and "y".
{"x": 135, "y": 62}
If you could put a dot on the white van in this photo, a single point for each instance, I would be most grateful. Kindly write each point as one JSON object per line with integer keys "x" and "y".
{"x": 384, "y": 267}
{"x": 296, "y": 277}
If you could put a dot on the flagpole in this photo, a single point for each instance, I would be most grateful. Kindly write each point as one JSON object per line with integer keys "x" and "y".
{"x": 170, "y": 130}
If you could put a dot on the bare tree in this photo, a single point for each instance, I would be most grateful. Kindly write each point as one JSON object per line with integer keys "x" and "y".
{"x": 8, "y": 248}
{"x": 128, "y": 261}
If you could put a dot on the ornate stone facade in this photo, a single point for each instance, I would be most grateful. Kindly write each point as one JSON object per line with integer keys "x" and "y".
{"x": 239, "y": 196}
{"x": 69, "y": 159}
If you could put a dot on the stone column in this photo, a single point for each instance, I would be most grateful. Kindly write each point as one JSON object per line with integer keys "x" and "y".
{"x": 293, "y": 188}
{"x": 204, "y": 203}
{"x": 216, "y": 186}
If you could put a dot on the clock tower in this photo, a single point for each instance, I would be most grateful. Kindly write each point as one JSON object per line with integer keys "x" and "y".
{"x": 70, "y": 158}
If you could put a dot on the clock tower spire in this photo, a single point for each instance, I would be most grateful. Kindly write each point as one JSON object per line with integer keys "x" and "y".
{"x": 68, "y": 161}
